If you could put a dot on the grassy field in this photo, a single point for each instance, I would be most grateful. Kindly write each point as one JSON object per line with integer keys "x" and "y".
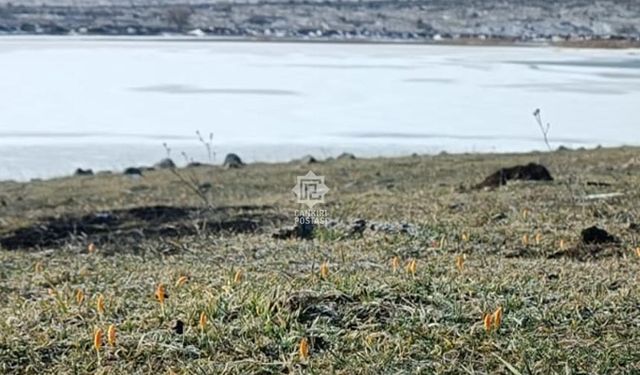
{"x": 248, "y": 302}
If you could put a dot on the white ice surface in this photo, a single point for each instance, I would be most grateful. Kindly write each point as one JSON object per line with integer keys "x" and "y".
{"x": 107, "y": 104}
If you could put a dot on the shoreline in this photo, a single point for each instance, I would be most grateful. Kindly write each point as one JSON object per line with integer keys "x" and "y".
{"x": 474, "y": 41}
{"x": 319, "y": 161}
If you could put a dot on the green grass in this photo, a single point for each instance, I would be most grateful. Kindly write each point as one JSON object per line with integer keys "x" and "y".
{"x": 561, "y": 315}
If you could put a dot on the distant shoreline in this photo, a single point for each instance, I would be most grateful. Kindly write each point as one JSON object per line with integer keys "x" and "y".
{"x": 320, "y": 161}
{"x": 464, "y": 42}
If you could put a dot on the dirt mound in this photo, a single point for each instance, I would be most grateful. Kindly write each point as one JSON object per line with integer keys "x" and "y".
{"x": 596, "y": 236}
{"x": 134, "y": 224}
{"x": 596, "y": 243}
{"x": 529, "y": 172}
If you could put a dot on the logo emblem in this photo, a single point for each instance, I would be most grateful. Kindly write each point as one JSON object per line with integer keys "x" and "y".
{"x": 310, "y": 189}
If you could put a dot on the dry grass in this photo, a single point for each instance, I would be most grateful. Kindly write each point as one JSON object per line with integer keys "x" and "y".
{"x": 262, "y": 298}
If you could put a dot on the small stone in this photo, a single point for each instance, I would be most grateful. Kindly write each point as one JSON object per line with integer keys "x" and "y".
{"x": 83, "y": 172}
{"x": 308, "y": 159}
{"x": 232, "y": 161}
{"x": 165, "y": 163}
{"x": 133, "y": 171}
{"x": 346, "y": 156}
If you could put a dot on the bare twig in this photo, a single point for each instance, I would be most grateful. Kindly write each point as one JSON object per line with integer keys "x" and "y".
{"x": 193, "y": 184}
{"x": 208, "y": 145}
{"x": 544, "y": 129}
{"x": 190, "y": 180}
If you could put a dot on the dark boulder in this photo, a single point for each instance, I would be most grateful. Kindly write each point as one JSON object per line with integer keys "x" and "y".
{"x": 195, "y": 164}
{"x": 346, "y": 156}
{"x": 232, "y": 161}
{"x": 165, "y": 163}
{"x": 308, "y": 159}
{"x": 529, "y": 172}
{"x": 83, "y": 172}
{"x": 132, "y": 171}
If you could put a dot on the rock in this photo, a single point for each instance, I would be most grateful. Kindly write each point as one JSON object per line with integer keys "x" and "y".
{"x": 308, "y": 159}
{"x": 232, "y": 161}
{"x": 596, "y": 236}
{"x": 346, "y": 156}
{"x": 133, "y": 171}
{"x": 195, "y": 164}
{"x": 83, "y": 172}
{"x": 529, "y": 172}
{"x": 165, "y": 163}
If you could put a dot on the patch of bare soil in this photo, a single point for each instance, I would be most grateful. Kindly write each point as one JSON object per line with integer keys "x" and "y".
{"x": 135, "y": 224}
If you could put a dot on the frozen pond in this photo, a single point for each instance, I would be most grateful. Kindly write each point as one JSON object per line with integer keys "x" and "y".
{"x": 108, "y": 104}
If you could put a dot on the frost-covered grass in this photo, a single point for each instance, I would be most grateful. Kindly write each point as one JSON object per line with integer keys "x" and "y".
{"x": 262, "y": 296}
